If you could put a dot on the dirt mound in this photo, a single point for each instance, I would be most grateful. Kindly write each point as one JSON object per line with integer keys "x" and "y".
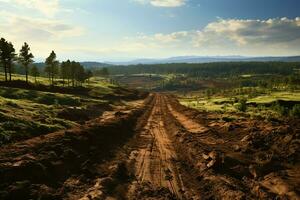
{"x": 239, "y": 159}
{"x": 81, "y": 115}
{"x": 43, "y": 167}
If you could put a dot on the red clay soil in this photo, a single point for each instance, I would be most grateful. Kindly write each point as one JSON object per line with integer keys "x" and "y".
{"x": 243, "y": 159}
{"x": 159, "y": 150}
{"x": 47, "y": 167}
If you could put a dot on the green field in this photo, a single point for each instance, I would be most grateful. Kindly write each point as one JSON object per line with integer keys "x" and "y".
{"x": 260, "y": 106}
{"x": 30, "y": 112}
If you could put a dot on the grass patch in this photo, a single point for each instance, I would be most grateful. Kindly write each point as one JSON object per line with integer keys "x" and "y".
{"x": 272, "y": 105}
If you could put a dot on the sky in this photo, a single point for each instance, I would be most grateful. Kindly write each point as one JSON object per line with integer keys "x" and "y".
{"x": 119, "y": 30}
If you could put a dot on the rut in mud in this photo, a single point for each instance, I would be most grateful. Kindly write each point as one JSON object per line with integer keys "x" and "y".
{"x": 210, "y": 158}
{"x": 155, "y": 155}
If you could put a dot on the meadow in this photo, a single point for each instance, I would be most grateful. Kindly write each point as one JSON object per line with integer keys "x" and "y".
{"x": 270, "y": 105}
{"x": 27, "y": 110}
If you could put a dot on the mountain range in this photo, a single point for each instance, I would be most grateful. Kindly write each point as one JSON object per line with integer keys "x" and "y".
{"x": 207, "y": 59}
{"x": 187, "y": 59}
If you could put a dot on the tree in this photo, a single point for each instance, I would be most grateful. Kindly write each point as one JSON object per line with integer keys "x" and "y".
{"x": 3, "y": 56}
{"x": 65, "y": 69}
{"x": 34, "y": 72}
{"x": 105, "y": 71}
{"x": 75, "y": 72}
{"x": 7, "y": 56}
{"x": 89, "y": 74}
{"x": 25, "y": 58}
{"x": 11, "y": 55}
{"x": 80, "y": 75}
{"x": 51, "y": 67}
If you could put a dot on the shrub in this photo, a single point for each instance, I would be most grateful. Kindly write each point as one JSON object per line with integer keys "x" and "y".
{"x": 12, "y": 104}
{"x": 242, "y": 105}
{"x": 282, "y": 110}
{"x": 295, "y": 111}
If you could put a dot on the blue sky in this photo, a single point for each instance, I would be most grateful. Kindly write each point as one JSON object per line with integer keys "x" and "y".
{"x": 102, "y": 30}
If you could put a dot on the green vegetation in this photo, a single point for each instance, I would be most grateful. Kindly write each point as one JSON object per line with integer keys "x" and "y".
{"x": 25, "y": 58}
{"x": 34, "y": 72}
{"x": 242, "y": 105}
{"x": 7, "y": 56}
{"x": 25, "y": 113}
{"x": 70, "y": 71}
{"x": 216, "y": 70}
{"x": 268, "y": 106}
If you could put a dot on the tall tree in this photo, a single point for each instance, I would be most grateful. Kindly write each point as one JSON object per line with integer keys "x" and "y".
{"x": 73, "y": 72}
{"x": 3, "y": 56}
{"x": 89, "y": 74}
{"x": 52, "y": 67}
{"x": 34, "y": 72}
{"x": 7, "y": 56}
{"x": 65, "y": 69}
{"x": 11, "y": 55}
{"x": 25, "y": 58}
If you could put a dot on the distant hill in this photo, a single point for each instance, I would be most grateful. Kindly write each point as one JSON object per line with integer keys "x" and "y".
{"x": 186, "y": 59}
{"x": 207, "y": 59}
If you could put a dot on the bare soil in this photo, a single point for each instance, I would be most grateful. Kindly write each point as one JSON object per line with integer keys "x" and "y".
{"x": 157, "y": 149}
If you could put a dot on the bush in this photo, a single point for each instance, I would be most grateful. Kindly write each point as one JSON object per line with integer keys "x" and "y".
{"x": 242, "y": 105}
{"x": 295, "y": 111}
{"x": 282, "y": 110}
{"x": 12, "y": 104}
{"x": 51, "y": 99}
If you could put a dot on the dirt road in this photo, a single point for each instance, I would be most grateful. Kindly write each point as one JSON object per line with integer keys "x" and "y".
{"x": 155, "y": 156}
{"x": 158, "y": 149}
{"x": 199, "y": 156}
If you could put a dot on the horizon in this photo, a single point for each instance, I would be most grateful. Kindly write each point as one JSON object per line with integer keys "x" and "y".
{"x": 120, "y": 31}
{"x": 116, "y": 61}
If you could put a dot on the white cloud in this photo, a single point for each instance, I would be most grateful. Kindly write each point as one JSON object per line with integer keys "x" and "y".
{"x": 33, "y": 29}
{"x": 251, "y": 32}
{"x": 223, "y": 37}
{"x": 43, "y": 35}
{"x": 46, "y": 7}
{"x": 277, "y": 36}
{"x": 165, "y": 38}
{"x": 163, "y": 3}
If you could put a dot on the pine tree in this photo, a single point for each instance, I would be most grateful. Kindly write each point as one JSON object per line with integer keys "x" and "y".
{"x": 52, "y": 67}
{"x": 25, "y": 58}
{"x": 34, "y": 72}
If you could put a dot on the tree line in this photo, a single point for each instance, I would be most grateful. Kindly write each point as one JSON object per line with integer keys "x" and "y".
{"x": 72, "y": 73}
{"x": 212, "y": 70}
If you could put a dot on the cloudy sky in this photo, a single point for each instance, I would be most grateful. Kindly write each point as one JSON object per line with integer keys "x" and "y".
{"x": 102, "y": 30}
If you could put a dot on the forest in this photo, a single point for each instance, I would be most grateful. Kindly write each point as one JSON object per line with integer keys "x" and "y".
{"x": 218, "y": 69}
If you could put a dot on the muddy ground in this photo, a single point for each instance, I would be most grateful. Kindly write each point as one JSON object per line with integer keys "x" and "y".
{"x": 157, "y": 149}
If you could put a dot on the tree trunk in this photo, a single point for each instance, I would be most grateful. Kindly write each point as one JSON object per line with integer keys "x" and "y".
{"x": 9, "y": 71}
{"x": 26, "y": 73}
{"x": 52, "y": 78}
{"x": 5, "y": 72}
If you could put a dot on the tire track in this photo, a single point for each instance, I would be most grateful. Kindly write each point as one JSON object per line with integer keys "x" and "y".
{"x": 156, "y": 155}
